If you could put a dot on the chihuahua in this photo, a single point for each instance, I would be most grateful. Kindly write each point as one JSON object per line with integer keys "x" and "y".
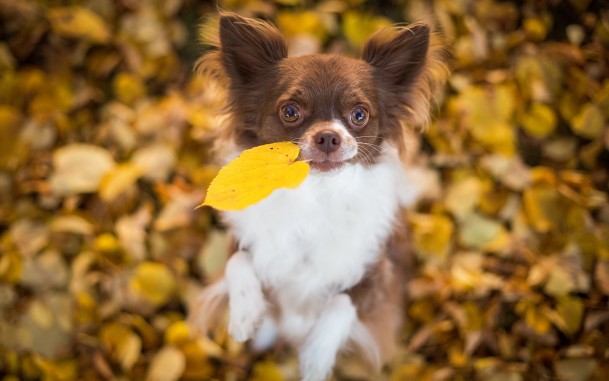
{"x": 321, "y": 266}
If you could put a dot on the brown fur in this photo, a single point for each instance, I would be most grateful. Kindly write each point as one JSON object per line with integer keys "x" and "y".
{"x": 395, "y": 79}
{"x": 408, "y": 76}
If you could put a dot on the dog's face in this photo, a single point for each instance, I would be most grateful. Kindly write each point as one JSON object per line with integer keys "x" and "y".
{"x": 339, "y": 110}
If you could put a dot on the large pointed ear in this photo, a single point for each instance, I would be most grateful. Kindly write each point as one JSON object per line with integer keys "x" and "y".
{"x": 398, "y": 54}
{"x": 248, "y": 47}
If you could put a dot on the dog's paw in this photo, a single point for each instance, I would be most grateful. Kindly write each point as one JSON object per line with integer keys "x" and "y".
{"x": 315, "y": 363}
{"x": 246, "y": 314}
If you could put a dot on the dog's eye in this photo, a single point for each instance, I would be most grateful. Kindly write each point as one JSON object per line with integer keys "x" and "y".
{"x": 359, "y": 116}
{"x": 289, "y": 113}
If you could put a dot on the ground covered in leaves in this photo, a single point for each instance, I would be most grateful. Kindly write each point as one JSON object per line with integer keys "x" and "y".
{"x": 104, "y": 156}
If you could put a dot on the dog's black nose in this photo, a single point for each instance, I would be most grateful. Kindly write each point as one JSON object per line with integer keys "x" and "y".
{"x": 327, "y": 141}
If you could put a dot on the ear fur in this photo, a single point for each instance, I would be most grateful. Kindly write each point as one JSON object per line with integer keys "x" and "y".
{"x": 398, "y": 56}
{"x": 248, "y": 46}
{"x": 409, "y": 67}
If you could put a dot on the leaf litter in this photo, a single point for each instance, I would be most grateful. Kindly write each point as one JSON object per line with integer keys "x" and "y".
{"x": 105, "y": 152}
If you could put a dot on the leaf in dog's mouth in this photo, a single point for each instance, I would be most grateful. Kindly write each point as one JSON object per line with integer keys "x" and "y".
{"x": 254, "y": 175}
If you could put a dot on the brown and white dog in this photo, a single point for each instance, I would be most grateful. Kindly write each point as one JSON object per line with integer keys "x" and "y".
{"x": 318, "y": 266}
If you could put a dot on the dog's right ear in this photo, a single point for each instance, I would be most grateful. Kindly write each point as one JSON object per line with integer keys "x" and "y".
{"x": 248, "y": 47}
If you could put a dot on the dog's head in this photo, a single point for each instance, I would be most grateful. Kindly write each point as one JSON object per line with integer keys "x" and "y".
{"x": 339, "y": 110}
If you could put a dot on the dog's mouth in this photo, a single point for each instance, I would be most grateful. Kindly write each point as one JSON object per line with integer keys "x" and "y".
{"x": 326, "y": 166}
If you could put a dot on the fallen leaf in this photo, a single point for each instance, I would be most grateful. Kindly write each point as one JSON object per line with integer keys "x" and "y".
{"x": 358, "y": 26}
{"x": 179, "y": 211}
{"x": 154, "y": 282}
{"x": 589, "y": 122}
{"x": 267, "y": 371}
{"x": 128, "y": 88}
{"x": 131, "y": 231}
{"x": 156, "y": 160}
{"x": 570, "y": 309}
{"x": 167, "y": 365}
{"x": 255, "y": 174}
{"x": 118, "y": 180}
{"x": 60, "y": 370}
{"x": 482, "y": 233}
{"x": 462, "y": 196}
{"x": 214, "y": 254}
{"x": 539, "y": 121}
{"x": 432, "y": 236}
{"x": 601, "y": 276}
{"x": 121, "y": 343}
{"x": 575, "y": 369}
{"x": 79, "y": 168}
{"x": 71, "y": 224}
{"x": 79, "y": 22}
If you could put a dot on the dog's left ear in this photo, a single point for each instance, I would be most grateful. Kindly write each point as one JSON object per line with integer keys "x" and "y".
{"x": 398, "y": 55}
{"x": 248, "y": 47}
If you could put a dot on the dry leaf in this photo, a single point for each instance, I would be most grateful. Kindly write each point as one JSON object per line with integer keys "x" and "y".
{"x": 432, "y": 236}
{"x": 154, "y": 282}
{"x": 157, "y": 161}
{"x": 214, "y": 254}
{"x": 122, "y": 343}
{"x": 167, "y": 365}
{"x": 119, "y": 180}
{"x": 79, "y": 22}
{"x": 255, "y": 174}
{"x": 589, "y": 122}
{"x": 462, "y": 196}
{"x": 575, "y": 369}
{"x": 79, "y": 168}
{"x": 539, "y": 121}
{"x": 267, "y": 371}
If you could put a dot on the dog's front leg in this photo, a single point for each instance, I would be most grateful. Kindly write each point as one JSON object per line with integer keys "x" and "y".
{"x": 246, "y": 299}
{"x": 328, "y": 335}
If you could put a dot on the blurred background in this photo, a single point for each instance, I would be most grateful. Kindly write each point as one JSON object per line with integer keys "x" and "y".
{"x": 104, "y": 140}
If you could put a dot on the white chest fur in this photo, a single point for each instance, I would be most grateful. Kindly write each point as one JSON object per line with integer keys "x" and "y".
{"x": 317, "y": 240}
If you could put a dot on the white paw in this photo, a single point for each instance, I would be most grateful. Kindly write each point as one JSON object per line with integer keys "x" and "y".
{"x": 328, "y": 335}
{"x": 246, "y": 314}
{"x": 316, "y": 363}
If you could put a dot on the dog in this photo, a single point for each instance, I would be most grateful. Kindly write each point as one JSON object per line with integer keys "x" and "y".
{"x": 321, "y": 266}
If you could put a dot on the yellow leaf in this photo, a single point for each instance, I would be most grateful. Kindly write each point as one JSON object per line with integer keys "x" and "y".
{"x": 536, "y": 319}
{"x": 167, "y": 365}
{"x": 119, "y": 180}
{"x": 487, "y": 113}
{"x": 293, "y": 24}
{"x": 11, "y": 266}
{"x": 61, "y": 370}
{"x": 10, "y": 123}
{"x": 177, "y": 333}
{"x": 78, "y": 22}
{"x": 543, "y": 207}
{"x": 539, "y": 121}
{"x": 482, "y": 233}
{"x": 359, "y": 26}
{"x": 128, "y": 88}
{"x": 154, "y": 282}
{"x": 255, "y": 174}
{"x": 462, "y": 196}
{"x": 41, "y": 314}
{"x": 571, "y": 311}
{"x": 197, "y": 365}
{"x": 267, "y": 371}
{"x": 457, "y": 357}
{"x": 122, "y": 343}
{"x": 432, "y": 235}
{"x": 589, "y": 122}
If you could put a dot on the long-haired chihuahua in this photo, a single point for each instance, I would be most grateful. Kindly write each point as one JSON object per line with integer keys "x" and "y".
{"x": 320, "y": 266}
